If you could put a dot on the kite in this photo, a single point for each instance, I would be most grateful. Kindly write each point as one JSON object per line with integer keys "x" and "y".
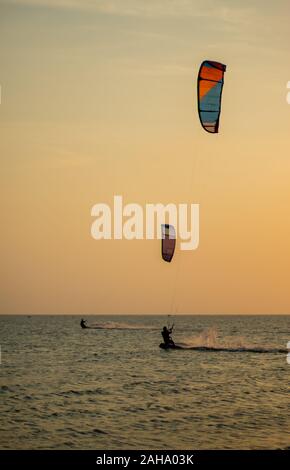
{"x": 209, "y": 94}
{"x": 168, "y": 242}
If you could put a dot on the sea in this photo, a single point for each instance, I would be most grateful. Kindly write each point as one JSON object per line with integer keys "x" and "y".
{"x": 112, "y": 387}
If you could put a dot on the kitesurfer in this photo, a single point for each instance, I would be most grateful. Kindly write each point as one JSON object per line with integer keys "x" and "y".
{"x": 166, "y": 335}
{"x": 83, "y": 323}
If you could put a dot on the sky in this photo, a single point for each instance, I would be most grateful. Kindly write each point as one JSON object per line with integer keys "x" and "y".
{"x": 98, "y": 98}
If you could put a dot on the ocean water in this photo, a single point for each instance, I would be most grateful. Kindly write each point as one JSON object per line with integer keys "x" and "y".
{"x": 114, "y": 388}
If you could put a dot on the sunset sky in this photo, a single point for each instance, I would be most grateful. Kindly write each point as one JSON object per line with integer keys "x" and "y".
{"x": 99, "y": 99}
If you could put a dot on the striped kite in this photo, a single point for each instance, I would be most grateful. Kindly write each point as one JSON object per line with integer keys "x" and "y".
{"x": 209, "y": 94}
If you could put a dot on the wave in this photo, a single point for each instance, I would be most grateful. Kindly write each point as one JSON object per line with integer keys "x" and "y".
{"x": 207, "y": 340}
{"x": 78, "y": 392}
{"x": 111, "y": 325}
{"x": 226, "y": 349}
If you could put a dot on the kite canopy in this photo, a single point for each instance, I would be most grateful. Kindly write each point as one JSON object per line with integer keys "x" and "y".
{"x": 168, "y": 242}
{"x": 209, "y": 93}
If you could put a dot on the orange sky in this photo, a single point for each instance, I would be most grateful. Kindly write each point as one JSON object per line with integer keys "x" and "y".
{"x": 99, "y": 99}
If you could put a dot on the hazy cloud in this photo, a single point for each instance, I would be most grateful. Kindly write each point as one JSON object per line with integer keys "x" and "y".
{"x": 220, "y": 9}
